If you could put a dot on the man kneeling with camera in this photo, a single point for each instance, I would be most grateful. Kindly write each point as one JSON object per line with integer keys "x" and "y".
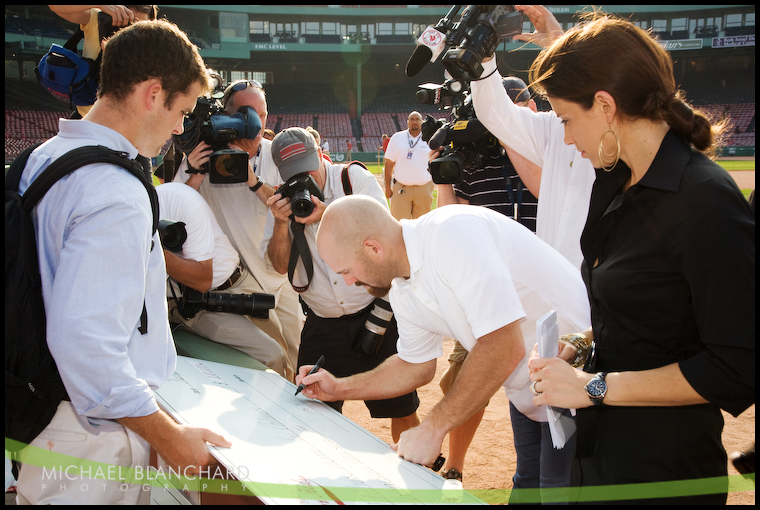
{"x": 208, "y": 291}
{"x": 352, "y": 329}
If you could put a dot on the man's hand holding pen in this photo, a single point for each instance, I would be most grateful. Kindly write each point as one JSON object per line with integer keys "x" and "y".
{"x": 320, "y": 385}
{"x": 415, "y": 445}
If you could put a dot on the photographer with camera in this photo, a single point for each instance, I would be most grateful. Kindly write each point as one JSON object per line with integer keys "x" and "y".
{"x": 408, "y": 184}
{"x": 241, "y": 210}
{"x": 99, "y": 23}
{"x": 201, "y": 259}
{"x": 351, "y": 328}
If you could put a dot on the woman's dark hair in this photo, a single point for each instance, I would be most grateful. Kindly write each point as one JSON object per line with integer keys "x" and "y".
{"x": 151, "y": 49}
{"x": 614, "y": 55}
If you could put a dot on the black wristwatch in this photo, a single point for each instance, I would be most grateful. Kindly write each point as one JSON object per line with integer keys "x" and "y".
{"x": 597, "y": 388}
{"x": 256, "y": 186}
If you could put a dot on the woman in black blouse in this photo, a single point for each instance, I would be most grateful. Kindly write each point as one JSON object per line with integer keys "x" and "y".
{"x": 669, "y": 264}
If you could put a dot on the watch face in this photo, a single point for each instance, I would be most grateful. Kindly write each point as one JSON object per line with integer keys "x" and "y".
{"x": 596, "y": 387}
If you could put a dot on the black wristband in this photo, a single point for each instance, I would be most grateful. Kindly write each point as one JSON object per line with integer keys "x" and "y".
{"x": 256, "y": 186}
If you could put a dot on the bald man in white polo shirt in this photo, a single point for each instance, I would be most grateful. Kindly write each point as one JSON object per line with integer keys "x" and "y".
{"x": 460, "y": 271}
{"x": 408, "y": 183}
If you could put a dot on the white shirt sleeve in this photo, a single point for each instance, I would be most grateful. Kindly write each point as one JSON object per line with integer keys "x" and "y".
{"x": 519, "y": 128}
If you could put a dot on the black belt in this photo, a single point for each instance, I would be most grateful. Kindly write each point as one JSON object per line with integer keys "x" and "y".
{"x": 232, "y": 280}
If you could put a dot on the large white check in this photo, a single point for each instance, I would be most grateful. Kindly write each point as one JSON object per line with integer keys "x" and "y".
{"x": 279, "y": 438}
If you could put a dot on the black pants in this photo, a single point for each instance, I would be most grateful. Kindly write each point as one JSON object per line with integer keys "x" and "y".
{"x": 333, "y": 338}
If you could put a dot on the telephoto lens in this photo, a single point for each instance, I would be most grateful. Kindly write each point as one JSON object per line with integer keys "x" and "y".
{"x": 256, "y": 305}
{"x": 370, "y": 339}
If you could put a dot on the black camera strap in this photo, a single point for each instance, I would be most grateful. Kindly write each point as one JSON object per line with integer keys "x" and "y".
{"x": 300, "y": 249}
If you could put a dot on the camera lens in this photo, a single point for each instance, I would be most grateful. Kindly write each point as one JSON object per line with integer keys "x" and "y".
{"x": 301, "y": 203}
{"x": 255, "y": 305}
{"x": 172, "y": 234}
{"x": 449, "y": 169}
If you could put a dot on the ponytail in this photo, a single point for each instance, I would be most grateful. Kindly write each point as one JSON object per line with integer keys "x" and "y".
{"x": 694, "y": 126}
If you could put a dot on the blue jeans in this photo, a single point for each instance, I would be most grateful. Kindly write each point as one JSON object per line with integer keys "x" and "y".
{"x": 539, "y": 464}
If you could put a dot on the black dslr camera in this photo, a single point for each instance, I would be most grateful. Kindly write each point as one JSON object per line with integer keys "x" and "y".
{"x": 173, "y": 235}
{"x": 467, "y": 142}
{"x": 209, "y": 123}
{"x": 255, "y": 305}
{"x": 299, "y": 190}
{"x": 105, "y": 26}
{"x": 476, "y": 36}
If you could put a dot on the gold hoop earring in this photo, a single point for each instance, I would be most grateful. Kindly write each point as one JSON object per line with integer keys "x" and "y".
{"x": 600, "y": 151}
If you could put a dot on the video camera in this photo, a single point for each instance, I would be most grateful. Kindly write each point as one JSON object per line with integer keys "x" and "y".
{"x": 474, "y": 37}
{"x": 467, "y": 142}
{"x": 209, "y": 123}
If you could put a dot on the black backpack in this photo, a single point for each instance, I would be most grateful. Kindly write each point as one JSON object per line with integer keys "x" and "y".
{"x": 33, "y": 387}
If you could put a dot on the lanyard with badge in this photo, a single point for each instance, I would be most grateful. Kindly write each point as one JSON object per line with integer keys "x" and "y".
{"x": 256, "y": 160}
{"x": 412, "y": 145}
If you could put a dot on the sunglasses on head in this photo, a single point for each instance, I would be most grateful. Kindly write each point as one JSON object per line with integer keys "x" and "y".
{"x": 237, "y": 87}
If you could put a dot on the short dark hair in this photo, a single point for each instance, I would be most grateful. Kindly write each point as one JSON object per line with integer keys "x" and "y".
{"x": 151, "y": 49}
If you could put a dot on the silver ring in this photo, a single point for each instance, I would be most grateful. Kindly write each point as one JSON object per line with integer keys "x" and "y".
{"x": 533, "y": 389}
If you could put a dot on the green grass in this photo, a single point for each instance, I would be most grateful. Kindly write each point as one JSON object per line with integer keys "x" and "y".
{"x": 374, "y": 167}
{"x": 729, "y": 165}
{"x": 732, "y": 165}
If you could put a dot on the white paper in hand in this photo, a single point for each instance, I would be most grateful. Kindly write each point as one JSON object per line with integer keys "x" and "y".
{"x": 547, "y": 338}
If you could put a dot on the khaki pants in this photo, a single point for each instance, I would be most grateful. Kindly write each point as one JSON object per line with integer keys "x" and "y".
{"x": 456, "y": 358}
{"x": 77, "y": 484}
{"x": 411, "y": 202}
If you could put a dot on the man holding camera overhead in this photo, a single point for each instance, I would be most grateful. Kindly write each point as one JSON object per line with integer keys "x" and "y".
{"x": 241, "y": 211}
{"x": 345, "y": 324}
{"x": 206, "y": 261}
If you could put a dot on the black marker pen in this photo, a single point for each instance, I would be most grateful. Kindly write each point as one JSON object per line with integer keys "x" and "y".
{"x": 313, "y": 369}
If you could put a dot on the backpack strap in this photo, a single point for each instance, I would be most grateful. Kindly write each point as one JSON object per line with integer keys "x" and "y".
{"x": 71, "y": 161}
{"x": 13, "y": 177}
{"x": 79, "y": 157}
{"x": 347, "y": 189}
